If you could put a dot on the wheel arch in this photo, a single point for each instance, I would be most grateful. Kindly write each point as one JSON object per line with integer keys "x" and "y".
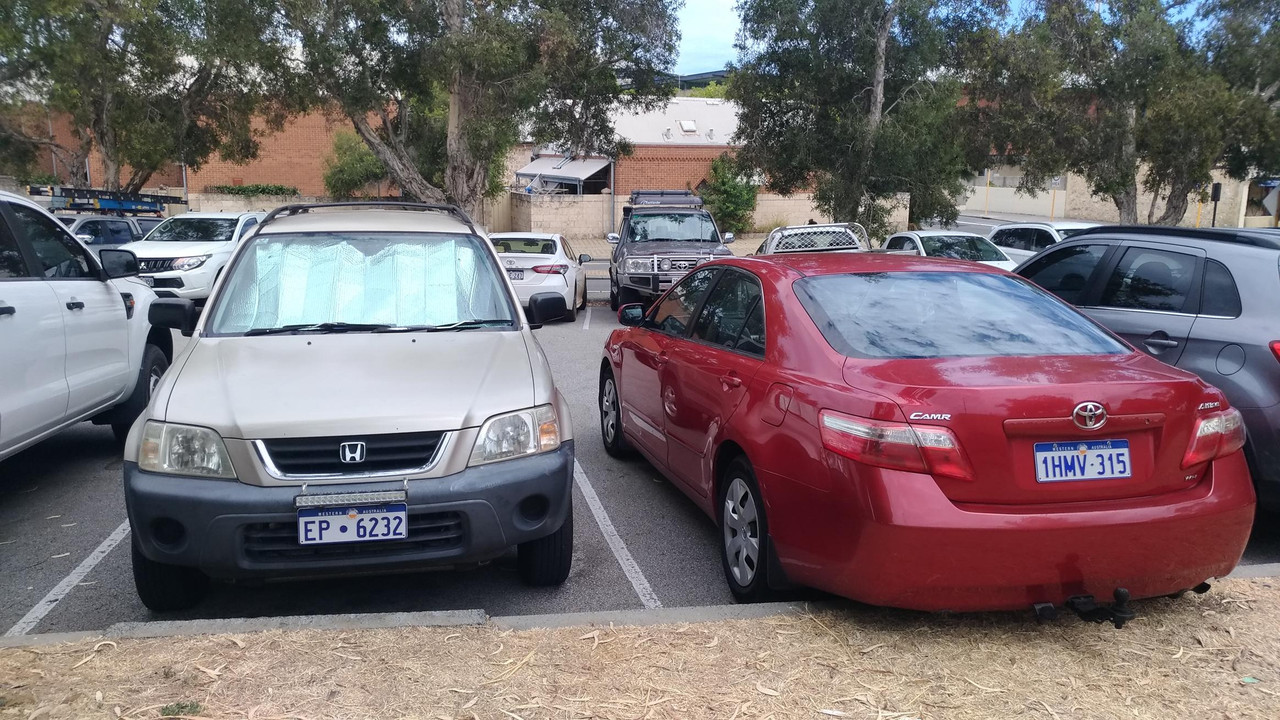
{"x": 163, "y": 339}
{"x": 726, "y": 453}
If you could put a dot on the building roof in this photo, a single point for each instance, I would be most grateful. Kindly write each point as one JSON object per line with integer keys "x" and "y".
{"x": 683, "y": 121}
{"x": 560, "y": 168}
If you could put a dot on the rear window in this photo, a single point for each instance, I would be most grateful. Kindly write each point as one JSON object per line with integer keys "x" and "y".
{"x": 952, "y": 314}
{"x": 534, "y": 246}
{"x": 961, "y": 247}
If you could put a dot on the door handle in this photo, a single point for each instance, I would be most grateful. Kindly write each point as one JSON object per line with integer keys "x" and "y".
{"x": 75, "y": 305}
{"x": 729, "y": 381}
{"x": 1163, "y": 343}
{"x": 661, "y": 358}
{"x": 7, "y": 310}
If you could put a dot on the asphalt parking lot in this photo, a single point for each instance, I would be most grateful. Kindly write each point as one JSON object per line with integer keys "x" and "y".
{"x": 639, "y": 542}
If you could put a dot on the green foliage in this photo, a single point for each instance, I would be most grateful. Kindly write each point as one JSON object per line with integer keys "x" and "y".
{"x": 254, "y": 189}
{"x": 729, "y": 195}
{"x": 712, "y": 89}
{"x": 186, "y": 708}
{"x": 352, "y": 167}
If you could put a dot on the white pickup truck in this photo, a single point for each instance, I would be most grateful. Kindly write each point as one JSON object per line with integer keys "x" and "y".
{"x": 75, "y": 342}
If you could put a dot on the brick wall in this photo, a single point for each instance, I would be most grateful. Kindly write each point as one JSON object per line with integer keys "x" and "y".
{"x": 664, "y": 168}
{"x": 294, "y": 156}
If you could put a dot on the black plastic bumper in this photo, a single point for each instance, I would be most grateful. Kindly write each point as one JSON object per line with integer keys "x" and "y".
{"x": 232, "y": 530}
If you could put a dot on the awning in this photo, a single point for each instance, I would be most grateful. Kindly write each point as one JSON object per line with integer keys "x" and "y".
{"x": 562, "y": 169}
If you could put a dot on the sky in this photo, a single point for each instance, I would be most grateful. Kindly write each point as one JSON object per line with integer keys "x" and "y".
{"x": 707, "y": 29}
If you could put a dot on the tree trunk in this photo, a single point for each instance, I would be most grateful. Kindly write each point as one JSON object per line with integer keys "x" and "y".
{"x": 875, "y": 111}
{"x": 397, "y": 162}
{"x": 1127, "y": 199}
{"x": 465, "y": 176}
{"x": 1175, "y": 208}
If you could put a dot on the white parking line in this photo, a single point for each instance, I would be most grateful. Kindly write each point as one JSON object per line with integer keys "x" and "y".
{"x": 962, "y": 221}
{"x": 59, "y": 591}
{"x": 586, "y": 322}
{"x": 630, "y": 568}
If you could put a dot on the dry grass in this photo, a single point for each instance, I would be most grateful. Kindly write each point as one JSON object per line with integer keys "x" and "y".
{"x": 1212, "y": 656}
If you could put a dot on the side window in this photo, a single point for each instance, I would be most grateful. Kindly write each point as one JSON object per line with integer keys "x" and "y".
{"x": 725, "y": 312}
{"x": 675, "y": 312}
{"x": 61, "y": 257}
{"x": 248, "y": 225}
{"x": 92, "y": 228}
{"x": 1220, "y": 297}
{"x": 118, "y": 232}
{"x": 568, "y": 249}
{"x": 1041, "y": 239}
{"x": 1001, "y": 238}
{"x": 1150, "y": 280}
{"x": 1016, "y": 238}
{"x": 1066, "y": 272}
{"x": 751, "y": 339}
{"x": 896, "y": 243}
{"x": 12, "y": 264}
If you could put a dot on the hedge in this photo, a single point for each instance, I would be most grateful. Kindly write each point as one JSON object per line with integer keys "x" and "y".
{"x": 255, "y": 189}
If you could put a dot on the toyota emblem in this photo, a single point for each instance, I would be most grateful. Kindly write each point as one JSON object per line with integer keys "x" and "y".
{"x": 1089, "y": 416}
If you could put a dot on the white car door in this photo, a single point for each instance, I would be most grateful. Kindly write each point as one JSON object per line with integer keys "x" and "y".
{"x": 33, "y": 396}
{"x": 576, "y": 277}
{"x": 93, "y": 312}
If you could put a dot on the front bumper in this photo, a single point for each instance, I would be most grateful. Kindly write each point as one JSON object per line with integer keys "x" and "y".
{"x": 649, "y": 283}
{"x": 187, "y": 284}
{"x": 904, "y": 544}
{"x": 231, "y": 530}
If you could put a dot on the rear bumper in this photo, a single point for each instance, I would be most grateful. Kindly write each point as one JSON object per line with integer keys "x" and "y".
{"x": 232, "y": 530}
{"x": 916, "y": 549}
{"x": 525, "y": 292}
{"x": 1263, "y": 425}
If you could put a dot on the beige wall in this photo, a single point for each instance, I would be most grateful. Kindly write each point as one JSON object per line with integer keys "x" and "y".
{"x": 983, "y": 200}
{"x": 574, "y": 216}
{"x": 1084, "y": 206}
{"x": 776, "y": 210}
{"x": 214, "y": 202}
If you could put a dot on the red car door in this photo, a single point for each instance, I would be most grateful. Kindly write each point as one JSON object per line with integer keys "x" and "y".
{"x": 709, "y": 374}
{"x": 645, "y": 354}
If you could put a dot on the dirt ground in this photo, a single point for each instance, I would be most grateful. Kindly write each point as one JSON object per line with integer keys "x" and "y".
{"x": 1210, "y": 656}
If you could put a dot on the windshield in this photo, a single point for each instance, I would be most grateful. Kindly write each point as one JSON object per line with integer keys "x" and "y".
{"x": 194, "y": 230}
{"x": 961, "y": 247}
{"x": 383, "y": 279}
{"x": 687, "y": 227}
{"x": 951, "y": 314}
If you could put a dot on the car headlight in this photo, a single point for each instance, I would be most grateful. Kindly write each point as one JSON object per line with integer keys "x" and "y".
{"x": 639, "y": 265}
{"x": 525, "y": 432}
{"x": 189, "y": 263}
{"x": 183, "y": 450}
{"x": 666, "y": 265}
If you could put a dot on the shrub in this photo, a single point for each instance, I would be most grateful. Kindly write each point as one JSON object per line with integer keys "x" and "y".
{"x": 254, "y": 189}
{"x": 352, "y": 167}
{"x": 728, "y": 195}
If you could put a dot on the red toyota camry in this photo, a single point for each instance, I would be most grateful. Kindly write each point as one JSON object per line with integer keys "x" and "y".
{"x": 925, "y": 434}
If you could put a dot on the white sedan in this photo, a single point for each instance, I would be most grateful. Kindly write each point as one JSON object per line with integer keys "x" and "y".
{"x": 543, "y": 262}
{"x": 950, "y": 244}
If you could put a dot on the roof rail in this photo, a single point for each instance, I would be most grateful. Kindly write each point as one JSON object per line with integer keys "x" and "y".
{"x": 300, "y": 208}
{"x": 1238, "y": 236}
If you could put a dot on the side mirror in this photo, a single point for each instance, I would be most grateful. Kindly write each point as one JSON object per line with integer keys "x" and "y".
{"x": 86, "y": 239}
{"x": 545, "y": 307}
{"x": 583, "y": 259}
{"x": 631, "y": 315}
{"x": 613, "y": 238}
{"x": 117, "y": 263}
{"x": 177, "y": 314}
{"x": 728, "y": 238}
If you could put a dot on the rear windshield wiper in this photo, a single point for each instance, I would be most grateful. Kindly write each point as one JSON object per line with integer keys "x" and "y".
{"x": 324, "y": 327}
{"x": 460, "y": 325}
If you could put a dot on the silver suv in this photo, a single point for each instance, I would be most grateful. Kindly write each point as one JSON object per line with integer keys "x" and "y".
{"x": 362, "y": 393}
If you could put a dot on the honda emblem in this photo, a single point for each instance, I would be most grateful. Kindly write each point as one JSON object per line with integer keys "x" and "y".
{"x": 351, "y": 452}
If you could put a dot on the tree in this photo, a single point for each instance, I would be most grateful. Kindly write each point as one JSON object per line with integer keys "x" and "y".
{"x": 352, "y": 167}
{"x": 712, "y": 89}
{"x": 728, "y": 195}
{"x": 555, "y": 68}
{"x": 146, "y": 82}
{"x": 846, "y": 97}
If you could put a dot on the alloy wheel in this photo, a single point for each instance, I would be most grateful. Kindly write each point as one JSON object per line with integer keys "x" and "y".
{"x": 741, "y": 532}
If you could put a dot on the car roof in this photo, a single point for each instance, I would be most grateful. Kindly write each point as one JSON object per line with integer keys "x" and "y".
{"x": 1055, "y": 224}
{"x": 1195, "y": 236}
{"x": 523, "y": 236}
{"x": 365, "y": 220}
{"x": 940, "y": 233}
{"x": 21, "y": 199}
{"x": 217, "y": 215}
{"x": 841, "y": 263}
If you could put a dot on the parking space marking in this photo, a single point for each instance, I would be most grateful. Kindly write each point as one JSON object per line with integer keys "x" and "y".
{"x": 960, "y": 220}
{"x": 59, "y": 591}
{"x": 586, "y": 322}
{"x": 630, "y": 567}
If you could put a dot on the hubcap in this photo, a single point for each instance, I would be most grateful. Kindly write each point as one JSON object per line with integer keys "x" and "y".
{"x": 609, "y": 411}
{"x": 741, "y": 532}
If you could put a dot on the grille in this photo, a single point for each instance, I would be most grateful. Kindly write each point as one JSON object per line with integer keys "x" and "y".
{"x": 401, "y": 452}
{"x": 668, "y": 264}
{"x": 428, "y": 532}
{"x": 151, "y": 265}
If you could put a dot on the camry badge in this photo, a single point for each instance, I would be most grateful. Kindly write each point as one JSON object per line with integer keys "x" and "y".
{"x": 1089, "y": 416}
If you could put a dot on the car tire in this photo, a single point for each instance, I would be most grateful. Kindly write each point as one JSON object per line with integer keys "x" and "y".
{"x": 547, "y": 560}
{"x": 744, "y": 533}
{"x": 571, "y": 315}
{"x": 154, "y": 363}
{"x": 615, "y": 443}
{"x": 613, "y": 298}
{"x": 627, "y": 296}
{"x": 165, "y": 588}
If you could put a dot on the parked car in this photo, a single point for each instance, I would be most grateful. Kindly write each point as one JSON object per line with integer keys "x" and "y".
{"x": 184, "y": 255}
{"x": 75, "y": 343}
{"x": 543, "y": 262}
{"x": 1022, "y": 240}
{"x": 838, "y": 237}
{"x": 664, "y": 234}
{"x": 950, "y": 244}
{"x": 105, "y": 231}
{"x": 362, "y": 394}
{"x": 1200, "y": 299}
{"x": 926, "y": 434}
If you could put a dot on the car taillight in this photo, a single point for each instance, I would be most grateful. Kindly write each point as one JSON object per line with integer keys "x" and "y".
{"x": 895, "y": 445}
{"x": 551, "y": 269}
{"x": 1215, "y": 436}
{"x": 1275, "y": 348}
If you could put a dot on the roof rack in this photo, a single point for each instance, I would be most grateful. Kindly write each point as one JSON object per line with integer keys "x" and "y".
{"x": 110, "y": 201}
{"x": 665, "y": 197}
{"x": 299, "y": 209}
{"x": 1238, "y": 236}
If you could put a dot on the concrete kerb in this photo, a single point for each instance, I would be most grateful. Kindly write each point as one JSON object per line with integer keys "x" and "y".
{"x": 447, "y": 618}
